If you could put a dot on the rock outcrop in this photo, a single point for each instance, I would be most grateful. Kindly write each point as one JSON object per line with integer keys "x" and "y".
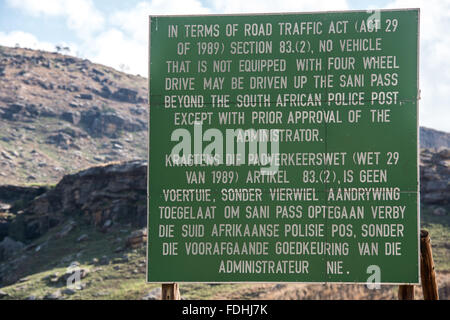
{"x": 11, "y": 194}
{"x": 430, "y": 138}
{"x": 137, "y": 238}
{"x": 102, "y": 196}
{"x": 8, "y": 247}
{"x": 116, "y": 193}
{"x": 435, "y": 176}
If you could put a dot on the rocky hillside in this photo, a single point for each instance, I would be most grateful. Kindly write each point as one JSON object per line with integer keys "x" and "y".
{"x": 96, "y": 220}
{"x": 73, "y": 190}
{"x": 117, "y": 193}
{"x": 435, "y": 176}
{"x": 430, "y": 138}
{"x": 60, "y": 114}
{"x": 99, "y": 196}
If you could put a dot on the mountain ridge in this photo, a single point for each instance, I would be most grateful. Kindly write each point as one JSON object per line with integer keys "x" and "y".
{"x": 61, "y": 114}
{"x": 432, "y": 138}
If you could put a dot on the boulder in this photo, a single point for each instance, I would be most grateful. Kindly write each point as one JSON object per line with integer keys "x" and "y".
{"x": 73, "y": 132}
{"x": 61, "y": 140}
{"x": 57, "y": 295}
{"x": 3, "y": 294}
{"x": 9, "y": 247}
{"x": 98, "y": 72}
{"x": 137, "y": 238}
{"x": 13, "y": 111}
{"x": 104, "y": 260}
{"x": 25, "y": 112}
{"x": 49, "y": 112}
{"x": 439, "y": 211}
{"x": 4, "y": 228}
{"x": 83, "y": 237}
{"x": 154, "y": 294}
{"x": 85, "y": 96}
{"x": 105, "y": 92}
{"x": 68, "y": 291}
{"x": 70, "y": 225}
{"x": 125, "y": 95}
{"x": 435, "y": 176}
{"x": 72, "y": 117}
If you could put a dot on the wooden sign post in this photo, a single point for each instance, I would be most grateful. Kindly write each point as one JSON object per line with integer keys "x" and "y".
{"x": 170, "y": 291}
{"x": 406, "y": 292}
{"x": 427, "y": 273}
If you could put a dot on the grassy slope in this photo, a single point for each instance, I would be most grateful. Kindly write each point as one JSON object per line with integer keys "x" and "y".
{"x": 116, "y": 280}
{"x": 439, "y": 229}
{"x": 37, "y": 158}
{"x": 121, "y": 279}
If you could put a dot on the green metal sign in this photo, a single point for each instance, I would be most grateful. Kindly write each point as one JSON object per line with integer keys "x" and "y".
{"x": 283, "y": 148}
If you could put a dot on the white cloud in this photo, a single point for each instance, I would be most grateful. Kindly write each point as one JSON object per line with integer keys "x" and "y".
{"x": 115, "y": 49}
{"x": 434, "y": 60}
{"x": 29, "y": 41}
{"x": 24, "y": 40}
{"x": 49, "y": 7}
{"x": 435, "y": 40}
{"x": 81, "y": 15}
{"x": 135, "y": 21}
{"x": 131, "y": 26}
{"x": 121, "y": 38}
{"x": 257, "y": 6}
{"x": 126, "y": 42}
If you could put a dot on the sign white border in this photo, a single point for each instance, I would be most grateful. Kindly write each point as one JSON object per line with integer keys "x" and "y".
{"x": 417, "y": 139}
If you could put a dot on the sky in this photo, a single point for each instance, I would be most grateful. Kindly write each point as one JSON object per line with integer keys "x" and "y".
{"x": 115, "y": 33}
